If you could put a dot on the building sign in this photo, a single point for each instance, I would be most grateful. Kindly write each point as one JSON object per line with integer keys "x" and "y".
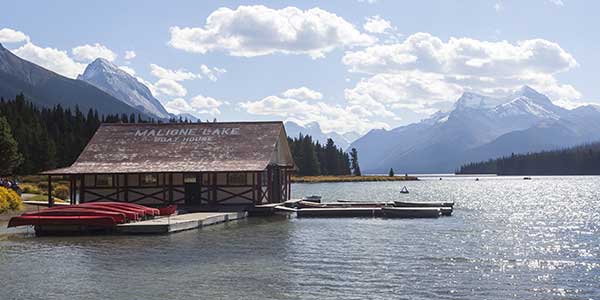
{"x": 185, "y": 134}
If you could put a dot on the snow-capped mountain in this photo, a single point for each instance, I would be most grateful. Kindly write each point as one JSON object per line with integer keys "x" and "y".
{"x": 46, "y": 88}
{"x": 478, "y": 127}
{"x": 314, "y": 130}
{"x": 118, "y": 83}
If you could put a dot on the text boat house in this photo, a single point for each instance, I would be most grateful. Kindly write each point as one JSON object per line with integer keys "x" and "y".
{"x": 197, "y": 164}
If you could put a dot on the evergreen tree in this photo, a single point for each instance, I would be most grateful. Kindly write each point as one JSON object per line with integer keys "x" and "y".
{"x": 10, "y": 157}
{"x": 354, "y": 162}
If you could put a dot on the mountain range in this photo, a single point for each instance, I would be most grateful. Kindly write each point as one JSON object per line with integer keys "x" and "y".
{"x": 111, "y": 79}
{"x": 314, "y": 130}
{"x": 478, "y": 128}
{"x": 46, "y": 88}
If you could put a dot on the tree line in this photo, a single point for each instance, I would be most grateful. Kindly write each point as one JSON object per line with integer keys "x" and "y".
{"x": 314, "y": 159}
{"x": 579, "y": 160}
{"x": 34, "y": 139}
{"x": 47, "y": 138}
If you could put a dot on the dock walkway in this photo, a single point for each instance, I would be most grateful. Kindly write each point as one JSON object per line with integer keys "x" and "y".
{"x": 179, "y": 222}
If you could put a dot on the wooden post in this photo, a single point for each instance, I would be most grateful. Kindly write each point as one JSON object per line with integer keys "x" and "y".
{"x": 171, "y": 187}
{"x": 50, "y": 198}
{"x": 82, "y": 189}
{"x": 259, "y": 186}
{"x": 126, "y": 184}
{"x": 214, "y": 186}
{"x": 289, "y": 186}
{"x": 269, "y": 184}
{"x": 72, "y": 189}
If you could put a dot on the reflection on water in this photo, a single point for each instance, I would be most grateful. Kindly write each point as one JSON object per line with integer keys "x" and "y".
{"x": 508, "y": 238}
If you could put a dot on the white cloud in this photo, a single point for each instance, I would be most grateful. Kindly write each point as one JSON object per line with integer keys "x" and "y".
{"x": 258, "y": 30}
{"x": 178, "y": 106}
{"x": 169, "y": 87}
{"x": 196, "y": 106}
{"x": 175, "y": 75}
{"x": 87, "y": 53}
{"x": 127, "y": 69}
{"x": 376, "y": 24}
{"x": 417, "y": 91}
{"x": 212, "y": 74}
{"x": 130, "y": 54}
{"x": 330, "y": 117}
{"x": 498, "y": 6}
{"x": 303, "y": 93}
{"x": 557, "y": 2}
{"x": 8, "y": 35}
{"x": 368, "y": 1}
{"x": 50, "y": 58}
{"x": 424, "y": 52}
{"x": 423, "y": 72}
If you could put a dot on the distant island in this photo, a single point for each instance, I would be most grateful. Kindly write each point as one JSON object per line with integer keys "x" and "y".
{"x": 578, "y": 160}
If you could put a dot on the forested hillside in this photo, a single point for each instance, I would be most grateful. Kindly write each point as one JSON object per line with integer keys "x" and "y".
{"x": 51, "y": 137}
{"x": 312, "y": 158}
{"x": 580, "y": 160}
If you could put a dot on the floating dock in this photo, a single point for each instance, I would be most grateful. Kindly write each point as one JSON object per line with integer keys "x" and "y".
{"x": 178, "y": 223}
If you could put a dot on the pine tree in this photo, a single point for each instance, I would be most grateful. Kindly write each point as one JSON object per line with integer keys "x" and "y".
{"x": 10, "y": 157}
{"x": 354, "y": 162}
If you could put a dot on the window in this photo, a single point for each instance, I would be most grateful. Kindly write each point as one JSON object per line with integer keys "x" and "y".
{"x": 149, "y": 180}
{"x": 104, "y": 181}
{"x": 206, "y": 179}
{"x": 189, "y": 178}
{"x": 236, "y": 178}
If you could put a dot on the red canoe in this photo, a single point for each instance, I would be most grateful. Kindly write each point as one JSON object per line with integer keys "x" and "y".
{"x": 96, "y": 221}
{"x": 149, "y": 210}
{"x": 142, "y": 213}
{"x": 131, "y": 215}
{"x": 168, "y": 210}
{"x": 119, "y": 218}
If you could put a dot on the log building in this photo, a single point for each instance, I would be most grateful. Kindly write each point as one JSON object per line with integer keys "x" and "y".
{"x": 192, "y": 164}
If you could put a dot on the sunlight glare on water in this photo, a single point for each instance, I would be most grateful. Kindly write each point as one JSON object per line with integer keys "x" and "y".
{"x": 508, "y": 239}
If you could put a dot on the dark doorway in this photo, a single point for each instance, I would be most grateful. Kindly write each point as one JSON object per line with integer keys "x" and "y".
{"x": 192, "y": 194}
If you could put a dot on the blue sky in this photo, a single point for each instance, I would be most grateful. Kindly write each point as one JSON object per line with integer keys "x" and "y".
{"x": 350, "y": 65}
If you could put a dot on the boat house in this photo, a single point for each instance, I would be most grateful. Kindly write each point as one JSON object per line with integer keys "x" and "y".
{"x": 192, "y": 164}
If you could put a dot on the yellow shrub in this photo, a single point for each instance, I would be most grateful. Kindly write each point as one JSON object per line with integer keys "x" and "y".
{"x": 9, "y": 200}
{"x": 30, "y": 188}
{"x": 61, "y": 191}
{"x": 3, "y": 200}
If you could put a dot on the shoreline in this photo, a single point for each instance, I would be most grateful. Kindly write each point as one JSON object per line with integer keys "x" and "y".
{"x": 326, "y": 178}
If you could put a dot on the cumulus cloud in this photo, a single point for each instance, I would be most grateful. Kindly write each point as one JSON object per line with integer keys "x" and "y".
{"x": 376, "y": 24}
{"x": 127, "y": 69}
{"x": 330, "y": 117}
{"x": 212, "y": 73}
{"x": 424, "y": 72}
{"x": 175, "y": 75}
{"x": 130, "y": 54}
{"x": 8, "y": 35}
{"x": 258, "y": 30}
{"x": 87, "y": 53}
{"x": 196, "y": 106}
{"x": 50, "y": 58}
{"x": 169, "y": 87}
{"x": 557, "y": 2}
{"x": 303, "y": 93}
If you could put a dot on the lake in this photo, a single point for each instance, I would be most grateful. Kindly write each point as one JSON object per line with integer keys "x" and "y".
{"x": 508, "y": 238}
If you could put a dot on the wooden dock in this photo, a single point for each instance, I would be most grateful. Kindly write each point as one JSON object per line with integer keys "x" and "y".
{"x": 179, "y": 222}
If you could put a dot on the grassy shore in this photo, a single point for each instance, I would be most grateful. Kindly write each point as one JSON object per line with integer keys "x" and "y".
{"x": 317, "y": 179}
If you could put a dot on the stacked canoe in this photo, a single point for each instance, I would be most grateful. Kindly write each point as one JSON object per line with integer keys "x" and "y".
{"x": 88, "y": 216}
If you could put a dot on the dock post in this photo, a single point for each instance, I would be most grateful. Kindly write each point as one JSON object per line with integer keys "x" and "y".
{"x": 50, "y": 198}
